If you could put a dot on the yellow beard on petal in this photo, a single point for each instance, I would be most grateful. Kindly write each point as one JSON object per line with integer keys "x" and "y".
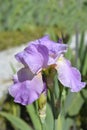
{"x": 61, "y": 58}
{"x": 59, "y": 61}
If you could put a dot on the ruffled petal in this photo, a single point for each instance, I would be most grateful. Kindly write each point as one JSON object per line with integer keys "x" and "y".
{"x": 55, "y": 49}
{"x": 34, "y": 56}
{"x": 28, "y": 91}
{"x": 68, "y": 75}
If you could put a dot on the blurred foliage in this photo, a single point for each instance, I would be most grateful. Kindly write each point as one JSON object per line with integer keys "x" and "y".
{"x": 59, "y": 13}
{"x": 15, "y": 38}
{"x": 32, "y": 19}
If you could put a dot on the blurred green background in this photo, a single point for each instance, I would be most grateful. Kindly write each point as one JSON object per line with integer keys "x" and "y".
{"x": 24, "y": 20}
{"x": 29, "y": 19}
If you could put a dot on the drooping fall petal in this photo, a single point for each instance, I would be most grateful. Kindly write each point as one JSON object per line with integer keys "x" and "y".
{"x": 69, "y": 76}
{"x": 28, "y": 88}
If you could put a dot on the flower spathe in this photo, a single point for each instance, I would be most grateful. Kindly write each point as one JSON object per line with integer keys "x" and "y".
{"x": 27, "y": 87}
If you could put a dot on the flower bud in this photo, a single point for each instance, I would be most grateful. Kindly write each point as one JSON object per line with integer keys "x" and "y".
{"x": 42, "y": 106}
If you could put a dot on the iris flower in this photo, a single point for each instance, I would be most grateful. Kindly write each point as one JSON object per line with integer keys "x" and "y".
{"x": 38, "y": 55}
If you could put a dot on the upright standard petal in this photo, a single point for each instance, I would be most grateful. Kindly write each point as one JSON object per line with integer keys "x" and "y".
{"x": 34, "y": 56}
{"x": 68, "y": 75}
{"x": 28, "y": 88}
{"x": 41, "y": 53}
{"x": 55, "y": 49}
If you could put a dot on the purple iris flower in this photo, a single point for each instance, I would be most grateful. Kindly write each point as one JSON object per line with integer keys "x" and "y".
{"x": 27, "y": 87}
{"x": 44, "y": 52}
{"x": 40, "y": 54}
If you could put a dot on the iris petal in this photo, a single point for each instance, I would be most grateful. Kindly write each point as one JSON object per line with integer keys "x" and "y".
{"x": 35, "y": 57}
{"x": 26, "y": 91}
{"x": 69, "y": 76}
{"x": 54, "y": 48}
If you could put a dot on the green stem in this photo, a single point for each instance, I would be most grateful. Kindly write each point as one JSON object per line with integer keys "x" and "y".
{"x": 44, "y": 126}
{"x": 55, "y": 124}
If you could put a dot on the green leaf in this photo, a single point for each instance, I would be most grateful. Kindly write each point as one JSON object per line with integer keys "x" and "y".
{"x": 62, "y": 123}
{"x": 73, "y": 103}
{"x": 84, "y": 91}
{"x": 84, "y": 58}
{"x": 17, "y": 122}
{"x": 34, "y": 117}
{"x": 49, "y": 122}
{"x": 49, "y": 118}
{"x": 67, "y": 123}
{"x": 81, "y": 45}
{"x": 82, "y": 54}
